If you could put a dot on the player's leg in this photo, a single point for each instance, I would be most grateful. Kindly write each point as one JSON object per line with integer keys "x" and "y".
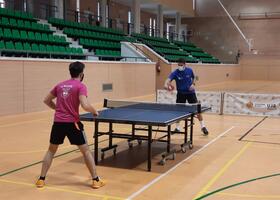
{"x": 181, "y": 98}
{"x": 193, "y": 99}
{"x": 96, "y": 181}
{"x": 77, "y": 137}
{"x": 48, "y": 159}
{"x": 88, "y": 159}
{"x": 56, "y": 138}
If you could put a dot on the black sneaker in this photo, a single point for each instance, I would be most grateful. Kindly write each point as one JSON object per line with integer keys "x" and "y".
{"x": 205, "y": 131}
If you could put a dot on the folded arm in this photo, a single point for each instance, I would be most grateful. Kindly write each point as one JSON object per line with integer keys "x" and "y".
{"x": 49, "y": 101}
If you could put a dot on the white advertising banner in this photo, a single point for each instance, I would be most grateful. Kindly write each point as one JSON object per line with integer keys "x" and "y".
{"x": 252, "y": 104}
{"x": 211, "y": 99}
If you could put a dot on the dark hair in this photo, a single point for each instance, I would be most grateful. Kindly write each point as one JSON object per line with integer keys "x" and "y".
{"x": 181, "y": 60}
{"x": 76, "y": 68}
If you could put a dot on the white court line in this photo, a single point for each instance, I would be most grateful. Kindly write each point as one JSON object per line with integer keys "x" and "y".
{"x": 173, "y": 168}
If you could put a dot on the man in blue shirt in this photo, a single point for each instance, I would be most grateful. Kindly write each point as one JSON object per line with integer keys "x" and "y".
{"x": 184, "y": 78}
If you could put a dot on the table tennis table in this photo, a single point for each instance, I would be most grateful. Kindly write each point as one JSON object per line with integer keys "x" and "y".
{"x": 144, "y": 116}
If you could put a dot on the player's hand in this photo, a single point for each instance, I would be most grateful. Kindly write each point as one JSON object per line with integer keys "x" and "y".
{"x": 95, "y": 113}
{"x": 191, "y": 88}
{"x": 170, "y": 87}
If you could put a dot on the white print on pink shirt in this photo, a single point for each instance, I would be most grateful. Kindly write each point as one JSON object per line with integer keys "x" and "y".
{"x": 66, "y": 90}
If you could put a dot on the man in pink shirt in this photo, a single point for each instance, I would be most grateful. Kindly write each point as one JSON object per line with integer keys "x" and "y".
{"x": 69, "y": 95}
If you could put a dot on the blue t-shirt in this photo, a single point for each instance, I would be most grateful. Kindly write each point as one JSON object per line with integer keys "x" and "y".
{"x": 184, "y": 80}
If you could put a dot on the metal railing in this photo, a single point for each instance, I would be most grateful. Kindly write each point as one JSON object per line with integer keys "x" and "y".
{"x": 256, "y": 16}
{"x": 86, "y": 56}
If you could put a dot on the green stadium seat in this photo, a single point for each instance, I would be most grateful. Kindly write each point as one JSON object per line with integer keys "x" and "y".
{"x": 35, "y": 26}
{"x": 17, "y": 14}
{"x": 13, "y": 22}
{"x": 42, "y": 48}
{"x": 27, "y": 24}
{"x": 15, "y": 34}
{"x": 56, "y": 39}
{"x": 82, "y": 41}
{"x": 62, "y": 49}
{"x": 5, "y": 21}
{"x": 25, "y": 15}
{"x": 63, "y": 39}
{"x": 56, "y": 49}
{"x": 79, "y": 51}
{"x": 45, "y": 37}
{"x": 10, "y": 12}
{"x": 18, "y": 46}
{"x": 23, "y": 35}
{"x": 68, "y": 50}
{"x": 46, "y": 27}
{"x": 35, "y": 47}
{"x": 1, "y": 33}
{"x": 38, "y": 36}
{"x": 51, "y": 38}
{"x": 26, "y": 46}
{"x": 49, "y": 48}
{"x": 2, "y": 11}
{"x": 31, "y": 36}
{"x": 20, "y": 24}
{"x": 7, "y": 33}
{"x": 10, "y": 45}
{"x": 2, "y": 45}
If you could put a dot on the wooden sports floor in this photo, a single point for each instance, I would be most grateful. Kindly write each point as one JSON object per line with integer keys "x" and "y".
{"x": 220, "y": 167}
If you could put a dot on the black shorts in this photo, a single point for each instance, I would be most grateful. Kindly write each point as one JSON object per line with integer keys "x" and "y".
{"x": 73, "y": 131}
{"x": 183, "y": 98}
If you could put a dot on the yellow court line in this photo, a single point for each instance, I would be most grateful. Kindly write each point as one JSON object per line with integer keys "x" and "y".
{"x": 250, "y": 196}
{"x": 222, "y": 171}
{"x": 63, "y": 190}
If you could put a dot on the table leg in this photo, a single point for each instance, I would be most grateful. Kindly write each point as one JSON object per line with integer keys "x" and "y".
{"x": 110, "y": 134}
{"x": 191, "y": 129}
{"x": 149, "y": 148}
{"x": 168, "y": 138}
{"x": 96, "y": 142}
{"x": 186, "y": 131}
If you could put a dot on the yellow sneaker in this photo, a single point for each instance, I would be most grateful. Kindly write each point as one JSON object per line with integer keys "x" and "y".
{"x": 40, "y": 183}
{"x": 98, "y": 183}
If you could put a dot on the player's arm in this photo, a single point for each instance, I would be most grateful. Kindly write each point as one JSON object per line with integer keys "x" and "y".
{"x": 49, "y": 101}
{"x": 193, "y": 81}
{"x": 167, "y": 83}
{"x": 86, "y": 105}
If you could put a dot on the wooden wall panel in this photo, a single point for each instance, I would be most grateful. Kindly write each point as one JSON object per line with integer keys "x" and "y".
{"x": 210, "y": 74}
{"x": 11, "y": 90}
{"x": 260, "y": 68}
{"x": 26, "y": 83}
{"x": 39, "y": 79}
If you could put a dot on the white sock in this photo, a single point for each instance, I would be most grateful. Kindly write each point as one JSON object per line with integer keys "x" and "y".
{"x": 202, "y": 125}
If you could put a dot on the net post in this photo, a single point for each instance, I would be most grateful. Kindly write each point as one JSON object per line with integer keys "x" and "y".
{"x": 105, "y": 103}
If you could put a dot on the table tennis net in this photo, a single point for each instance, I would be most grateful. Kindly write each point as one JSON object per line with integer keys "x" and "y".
{"x": 152, "y": 106}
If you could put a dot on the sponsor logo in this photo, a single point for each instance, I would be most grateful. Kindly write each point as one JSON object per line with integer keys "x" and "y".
{"x": 262, "y": 107}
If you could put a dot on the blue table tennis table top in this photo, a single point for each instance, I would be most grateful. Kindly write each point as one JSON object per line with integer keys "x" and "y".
{"x": 145, "y": 114}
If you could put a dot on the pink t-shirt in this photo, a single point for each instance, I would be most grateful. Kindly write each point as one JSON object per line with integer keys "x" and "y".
{"x": 67, "y": 100}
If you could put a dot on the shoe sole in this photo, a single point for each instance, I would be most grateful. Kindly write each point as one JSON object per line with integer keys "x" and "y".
{"x": 40, "y": 186}
{"x": 97, "y": 187}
